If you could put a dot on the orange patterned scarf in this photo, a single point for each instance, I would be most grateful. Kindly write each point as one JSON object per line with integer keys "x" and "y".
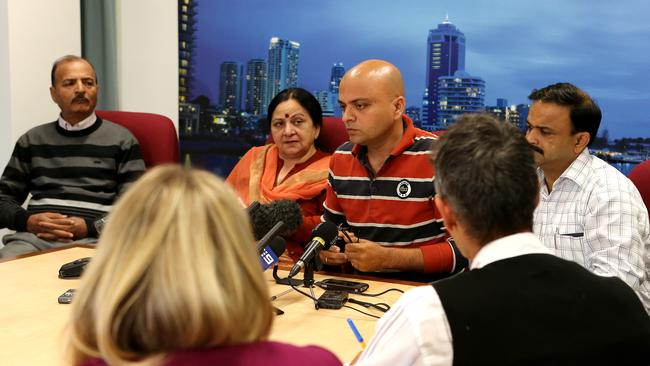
{"x": 255, "y": 175}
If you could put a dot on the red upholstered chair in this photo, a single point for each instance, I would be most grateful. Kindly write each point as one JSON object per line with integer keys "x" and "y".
{"x": 155, "y": 133}
{"x": 640, "y": 176}
{"x": 332, "y": 135}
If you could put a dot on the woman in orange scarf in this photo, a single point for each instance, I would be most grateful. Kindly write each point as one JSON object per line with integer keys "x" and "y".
{"x": 290, "y": 168}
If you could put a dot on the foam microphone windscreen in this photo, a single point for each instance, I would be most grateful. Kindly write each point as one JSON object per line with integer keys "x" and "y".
{"x": 268, "y": 214}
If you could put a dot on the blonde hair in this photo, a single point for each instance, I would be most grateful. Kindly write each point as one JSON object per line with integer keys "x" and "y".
{"x": 175, "y": 269}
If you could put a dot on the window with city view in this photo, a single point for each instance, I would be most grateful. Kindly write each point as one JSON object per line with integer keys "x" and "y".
{"x": 456, "y": 57}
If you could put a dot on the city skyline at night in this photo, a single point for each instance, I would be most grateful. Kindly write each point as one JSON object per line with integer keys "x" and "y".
{"x": 513, "y": 47}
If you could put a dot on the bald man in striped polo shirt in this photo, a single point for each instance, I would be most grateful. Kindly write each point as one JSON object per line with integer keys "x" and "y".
{"x": 381, "y": 184}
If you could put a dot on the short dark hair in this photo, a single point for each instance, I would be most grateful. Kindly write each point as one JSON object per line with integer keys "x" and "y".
{"x": 304, "y": 98}
{"x": 584, "y": 111}
{"x": 66, "y": 59}
{"x": 485, "y": 170}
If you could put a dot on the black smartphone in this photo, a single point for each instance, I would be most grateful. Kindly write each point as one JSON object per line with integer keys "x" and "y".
{"x": 340, "y": 242}
{"x": 332, "y": 299}
{"x": 342, "y": 285}
{"x": 66, "y": 297}
{"x": 74, "y": 269}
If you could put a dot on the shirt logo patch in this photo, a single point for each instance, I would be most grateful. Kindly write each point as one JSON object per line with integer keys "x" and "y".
{"x": 403, "y": 189}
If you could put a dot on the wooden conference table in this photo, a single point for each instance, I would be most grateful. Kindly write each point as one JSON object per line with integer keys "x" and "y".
{"x": 32, "y": 321}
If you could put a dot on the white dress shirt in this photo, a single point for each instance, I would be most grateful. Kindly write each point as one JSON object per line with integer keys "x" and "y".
{"x": 81, "y": 125}
{"x": 416, "y": 331}
{"x": 595, "y": 217}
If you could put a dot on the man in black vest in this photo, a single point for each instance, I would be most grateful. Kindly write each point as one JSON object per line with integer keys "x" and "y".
{"x": 518, "y": 305}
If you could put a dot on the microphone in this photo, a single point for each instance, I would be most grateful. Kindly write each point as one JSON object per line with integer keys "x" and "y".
{"x": 267, "y": 215}
{"x": 273, "y": 233}
{"x": 250, "y": 210}
{"x": 271, "y": 253}
{"x": 322, "y": 237}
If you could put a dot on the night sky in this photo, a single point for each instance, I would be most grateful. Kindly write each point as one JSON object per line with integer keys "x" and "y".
{"x": 515, "y": 46}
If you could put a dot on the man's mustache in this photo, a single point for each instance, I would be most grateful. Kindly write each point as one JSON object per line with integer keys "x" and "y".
{"x": 79, "y": 98}
{"x": 536, "y": 149}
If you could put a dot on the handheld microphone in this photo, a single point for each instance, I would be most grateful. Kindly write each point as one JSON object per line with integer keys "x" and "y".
{"x": 271, "y": 253}
{"x": 263, "y": 217}
{"x": 250, "y": 210}
{"x": 322, "y": 237}
{"x": 273, "y": 233}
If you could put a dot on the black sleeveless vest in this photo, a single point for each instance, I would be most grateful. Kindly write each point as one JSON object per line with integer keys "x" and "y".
{"x": 538, "y": 309}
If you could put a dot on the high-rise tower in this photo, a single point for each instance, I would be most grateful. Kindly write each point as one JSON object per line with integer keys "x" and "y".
{"x": 325, "y": 98}
{"x": 335, "y": 80}
{"x": 255, "y": 86}
{"x": 459, "y": 94}
{"x": 230, "y": 86}
{"x": 445, "y": 56}
{"x": 335, "y": 76}
{"x": 186, "y": 38}
{"x": 282, "y": 71}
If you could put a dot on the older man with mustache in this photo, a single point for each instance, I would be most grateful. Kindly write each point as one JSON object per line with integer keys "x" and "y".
{"x": 74, "y": 168}
{"x": 588, "y": 212}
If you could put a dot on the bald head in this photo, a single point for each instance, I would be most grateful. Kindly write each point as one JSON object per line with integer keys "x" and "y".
{"x": 371, "y": 96}
{"x": 381, "y": 74}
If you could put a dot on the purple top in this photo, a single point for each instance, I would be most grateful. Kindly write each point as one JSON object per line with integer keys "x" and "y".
{"x": 259, "y": 353}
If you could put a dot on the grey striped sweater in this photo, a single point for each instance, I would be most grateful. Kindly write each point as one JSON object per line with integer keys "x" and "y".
{"x": 76, "y": 173}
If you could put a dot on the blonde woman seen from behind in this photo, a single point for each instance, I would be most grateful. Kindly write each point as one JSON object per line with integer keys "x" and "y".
{"x": 174, "y": 282}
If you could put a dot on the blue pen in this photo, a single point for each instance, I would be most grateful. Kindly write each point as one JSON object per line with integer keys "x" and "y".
{"x": 356, "y": 333}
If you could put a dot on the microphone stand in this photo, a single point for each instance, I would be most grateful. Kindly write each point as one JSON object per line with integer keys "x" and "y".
{"x": 285, "y": 281}
{"x": 308, "y": 277}
{"x": 278, "y": 311}
{"x": 308, "y": 281}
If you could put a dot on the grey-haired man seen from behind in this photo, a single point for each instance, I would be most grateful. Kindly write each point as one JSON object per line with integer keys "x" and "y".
{"x": 74, "y": 168}
{"x": 518, "y": 304}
